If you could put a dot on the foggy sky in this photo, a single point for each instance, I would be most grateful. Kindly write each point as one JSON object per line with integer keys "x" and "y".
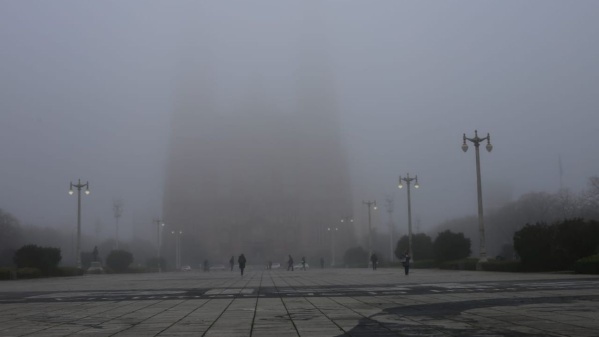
{"x": 87, "y": 89}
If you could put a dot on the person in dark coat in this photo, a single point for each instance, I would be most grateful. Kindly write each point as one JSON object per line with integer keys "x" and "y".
{"x": 406, "y": 262}
{"x": 303, "y": 262}
{"x": 241, "y": 260}
{"x": 290, "y": 263}
{"x": 375, "y": 260}
{"x": 232, "y": 262}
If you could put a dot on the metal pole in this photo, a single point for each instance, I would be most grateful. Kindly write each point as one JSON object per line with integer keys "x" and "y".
{"x": 481, "y": 226}
{"x": 333, "y": 230}
{"x": 117, "y": 233}
{"x": 410, "y": 221}
{"x": 369, "y": 234}
{"x": 78, "y": 252}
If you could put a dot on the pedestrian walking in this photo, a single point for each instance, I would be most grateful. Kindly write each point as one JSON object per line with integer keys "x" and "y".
{"x": 303, "y": 262}
{"x": 232, "y": 262}
{"x": 375, "y": 260}
{"x": 241, "y": 260}
{"x": 406, "y": 262}
{"x": 290, "y": 263}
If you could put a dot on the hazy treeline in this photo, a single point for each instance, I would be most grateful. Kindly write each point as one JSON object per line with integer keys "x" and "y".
{"x": 500, "y": 225}
{"x": 14, "y": 235}
{"x": 535, "y": 207}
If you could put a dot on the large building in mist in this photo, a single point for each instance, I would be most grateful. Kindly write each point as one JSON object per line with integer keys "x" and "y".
{"x": 256, "y": 176}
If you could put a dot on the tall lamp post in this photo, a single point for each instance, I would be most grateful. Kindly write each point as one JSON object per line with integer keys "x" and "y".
{"x": 370, "y": 204}
{"x": 408, "y": 181}
{"x": 177, "y": 248}
{"x": 79, "y": 186}
{"x": 481, "y": 227}
{"x": 159, "y": 227}
{"x": 332, "y": 230}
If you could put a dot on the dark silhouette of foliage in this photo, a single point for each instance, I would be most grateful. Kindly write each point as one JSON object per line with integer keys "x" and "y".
{"x": 450, "y": 246}
{"x": 422, "y": 247}
{"x": 557, "y": 246}
{"x": 119, "y": 260}
{"x": 356, "y": 257}
{"x": 574, "y": 240}
{"x": 533, "y": 243}
{"x": 45, "y": 259}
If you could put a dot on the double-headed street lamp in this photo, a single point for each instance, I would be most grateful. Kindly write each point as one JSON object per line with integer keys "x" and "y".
{"x": 79, "y": 186}
{"x": 177, "y": 248}
{"x": 373, "y": 205}
{"x": 332, "y": 230}
{"x": 408, "y": 181}
{"x": 481, "y": 227}
{"x": 159, "y": 227}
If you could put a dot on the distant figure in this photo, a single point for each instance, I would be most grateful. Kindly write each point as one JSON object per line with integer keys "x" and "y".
{"x": 322, "y": 262}
{"x": 269, "y": 265}
{"x": 95, "y": 254}
{"x": 406, "y": 262}
{"x": 232, "y": 262}
{"x": 241, "y": 260}
{"x": 206, "y": 268}
{"x": 375, "y": 260}
{"x": 290, "y": 263}
{"x": 303, "y": 262}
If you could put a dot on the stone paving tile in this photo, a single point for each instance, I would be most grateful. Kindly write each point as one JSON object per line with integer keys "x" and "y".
{"x": 443, "y": 309}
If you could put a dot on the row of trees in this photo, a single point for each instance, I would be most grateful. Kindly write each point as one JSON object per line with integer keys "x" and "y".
{"x": 13, "y": 235}
{"x": 556, "y": 246}
{"x": 539, "y": 207}
{"x": 447, "y": 246}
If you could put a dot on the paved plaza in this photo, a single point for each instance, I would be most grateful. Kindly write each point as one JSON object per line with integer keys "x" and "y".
{"x": 330, "y": 302}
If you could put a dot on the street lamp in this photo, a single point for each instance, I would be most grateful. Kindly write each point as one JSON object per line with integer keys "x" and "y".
{"x": 332, "y": 230}
{"x": 481, "y": 227}
{"x": 177, "y": 248}
{"x": 408, "y": 181}
{"x": 373, "y": 205}
{"x": 159, "y": 227}
{"x": 79, "y": 186}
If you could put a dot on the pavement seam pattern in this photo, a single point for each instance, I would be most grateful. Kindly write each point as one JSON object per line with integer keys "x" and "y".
{"x": 74, "y": 319}
{"x": 285, "y": 306}
{"x": 256, "y": 305}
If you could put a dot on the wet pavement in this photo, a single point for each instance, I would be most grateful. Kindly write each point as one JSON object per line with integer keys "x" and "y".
{"x": 330, "y": 302}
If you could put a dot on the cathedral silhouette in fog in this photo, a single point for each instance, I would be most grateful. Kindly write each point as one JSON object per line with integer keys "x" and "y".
{"x": 254, "y": 175}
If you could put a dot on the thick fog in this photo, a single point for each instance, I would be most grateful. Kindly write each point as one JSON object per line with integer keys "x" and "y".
{"x": 88, "y": 91}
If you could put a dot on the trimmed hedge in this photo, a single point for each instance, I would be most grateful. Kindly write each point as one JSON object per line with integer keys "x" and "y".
{"x": 68, "y": 271}
{"x": 463, "y": 264}
{"x": 505, "y": 266}
{"x": 587, "y": 265}
{"x": 23, "y": 273}
{"x": 422, "y": 264}
{"x": 5, "y": 273}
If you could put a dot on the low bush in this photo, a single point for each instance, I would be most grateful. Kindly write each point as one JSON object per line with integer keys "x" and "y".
{"x": 422, "y": 264}
{"x": 45, "y": 259}
{"x": 356, "y": 257}
{"x": 587, "y": 265}
{"x": 5, "y": 273}
{"x": 505, "y": 266}
{"x": 463, "y": 264}
{"x": 68, "y": 271}
{"x": 118, "y": 261}
{"x": 138, "y": 270}
{"x": 23, "y": 273}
